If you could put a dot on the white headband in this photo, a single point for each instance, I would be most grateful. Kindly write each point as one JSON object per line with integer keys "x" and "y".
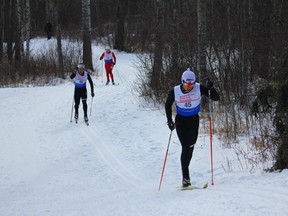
{"x": 81, "y": 66}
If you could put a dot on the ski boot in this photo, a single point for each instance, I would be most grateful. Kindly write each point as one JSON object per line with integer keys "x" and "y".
{"x": 76, "y": 116}
{"x": 186, "y": 183}
{"x": 86, "y": 120}
{"x": 107, "y": 82}
{"x": 113, "y": 82}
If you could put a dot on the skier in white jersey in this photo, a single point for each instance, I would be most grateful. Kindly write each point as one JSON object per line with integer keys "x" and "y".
{"x": 187, "y": 98}
{"x": 80, "y": 78}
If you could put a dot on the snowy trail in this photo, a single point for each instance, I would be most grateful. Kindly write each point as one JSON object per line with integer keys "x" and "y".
{"x": 49, "y": 166}
{"x": 104, "y": 153}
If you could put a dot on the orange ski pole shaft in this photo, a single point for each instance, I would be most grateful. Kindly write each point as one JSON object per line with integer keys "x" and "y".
{"x": 211, "y": 152}
{"x": 165, "y": 159}
{"x": 211, "y": 132}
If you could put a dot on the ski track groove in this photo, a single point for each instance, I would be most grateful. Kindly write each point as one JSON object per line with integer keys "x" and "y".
{"x": 110, "y": 159}
{"x": 255, "y": 193}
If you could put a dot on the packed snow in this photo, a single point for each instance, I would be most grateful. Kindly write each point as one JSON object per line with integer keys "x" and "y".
{"x": 50, "y": 166}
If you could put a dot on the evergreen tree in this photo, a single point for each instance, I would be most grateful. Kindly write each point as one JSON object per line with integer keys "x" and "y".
{"x": 272, "y": 99}
{"x": 281, "y": 117}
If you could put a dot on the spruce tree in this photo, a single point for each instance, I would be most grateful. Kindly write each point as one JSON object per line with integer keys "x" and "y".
{"x": 281, "y": 117}
{"x": 272, "y": 99}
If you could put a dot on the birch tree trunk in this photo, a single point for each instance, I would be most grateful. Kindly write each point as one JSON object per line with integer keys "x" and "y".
{"x": 86, "y": 31}
{"x": 18, "y": 32}
{"x": 120, "y": 28}
{"x": 9, "y": 31}
{"x": 60, "y": 64}
{"x": 158, "y": 50}
{"x": 201, "y": 14}
{"x": 175, "y": 43}
{"x": 1, "y": 28}
{"x": 27, "y": 31}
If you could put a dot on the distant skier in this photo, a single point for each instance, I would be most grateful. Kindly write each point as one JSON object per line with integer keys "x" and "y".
{"x": 187, "y": 97}
{"x": 80, "y": 78}
{"x": 110, "y": 61}
{"x": 48, "y": 30}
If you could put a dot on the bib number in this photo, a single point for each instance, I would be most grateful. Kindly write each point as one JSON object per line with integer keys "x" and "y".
{"x": 188, "y": 104}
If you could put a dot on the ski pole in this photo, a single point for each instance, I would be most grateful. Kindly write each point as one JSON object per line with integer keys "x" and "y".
{"x": 72, "y": 108}
{"x": 118, "y": 74}
{"x": 211, "y": 131}
{"x": 102, "y": 70}
{"x": 163, "y": 168}
{"x": 91, "y": 106}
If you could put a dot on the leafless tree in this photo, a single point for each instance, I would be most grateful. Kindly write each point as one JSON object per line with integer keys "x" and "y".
{"x": 60, "y": 65}
{"x": 86, "y": 31}
{"x": 18, "y": 26}
{"x": 27, "y": 27}
{"x": 2, "y": 2}
{"x": 202, "y": 41}
{"x": 120, "y": 25}
{"x": 158, "y": 48}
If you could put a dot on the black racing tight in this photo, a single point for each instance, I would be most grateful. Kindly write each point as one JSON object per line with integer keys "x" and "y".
{"x": 78, "y": 94}
{"x": 187, "y": 131}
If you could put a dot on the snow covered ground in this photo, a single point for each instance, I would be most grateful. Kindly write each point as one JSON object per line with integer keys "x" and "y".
{"x": 51, "y": 167}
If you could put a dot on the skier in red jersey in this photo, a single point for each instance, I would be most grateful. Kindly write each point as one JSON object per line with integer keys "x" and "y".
{"x": 110, "y": 61}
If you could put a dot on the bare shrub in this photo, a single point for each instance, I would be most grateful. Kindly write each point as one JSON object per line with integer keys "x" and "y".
{"x": 41, "y": 68}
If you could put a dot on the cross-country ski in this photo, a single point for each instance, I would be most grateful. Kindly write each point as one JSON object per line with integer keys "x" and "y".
{"x": 193, "y": 187}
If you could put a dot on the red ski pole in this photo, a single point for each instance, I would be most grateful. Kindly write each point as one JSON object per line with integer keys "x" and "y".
{"x": 166, "y": 155}
{"x": 211, "y": 147}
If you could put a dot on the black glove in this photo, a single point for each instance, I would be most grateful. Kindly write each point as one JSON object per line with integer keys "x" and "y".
{"x": 171, "y": 125}
{"x": 92, "y": 94}
{"x": 73, "y": 75}
{"x": 209, "y": 84}
{"x": 114, "y": 63}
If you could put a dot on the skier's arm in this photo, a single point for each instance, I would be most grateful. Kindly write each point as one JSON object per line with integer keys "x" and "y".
{"x": 101, "y": 57}
{"x": 168, "y": 105}
{"x": 91, "y": 83}
{"x": 114, "y": 58}
{"x": 213, "y": 93}
{"x": 73, "y": 75}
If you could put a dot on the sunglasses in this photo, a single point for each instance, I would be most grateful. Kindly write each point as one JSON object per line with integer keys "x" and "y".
{"x": 188, "y": 84}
